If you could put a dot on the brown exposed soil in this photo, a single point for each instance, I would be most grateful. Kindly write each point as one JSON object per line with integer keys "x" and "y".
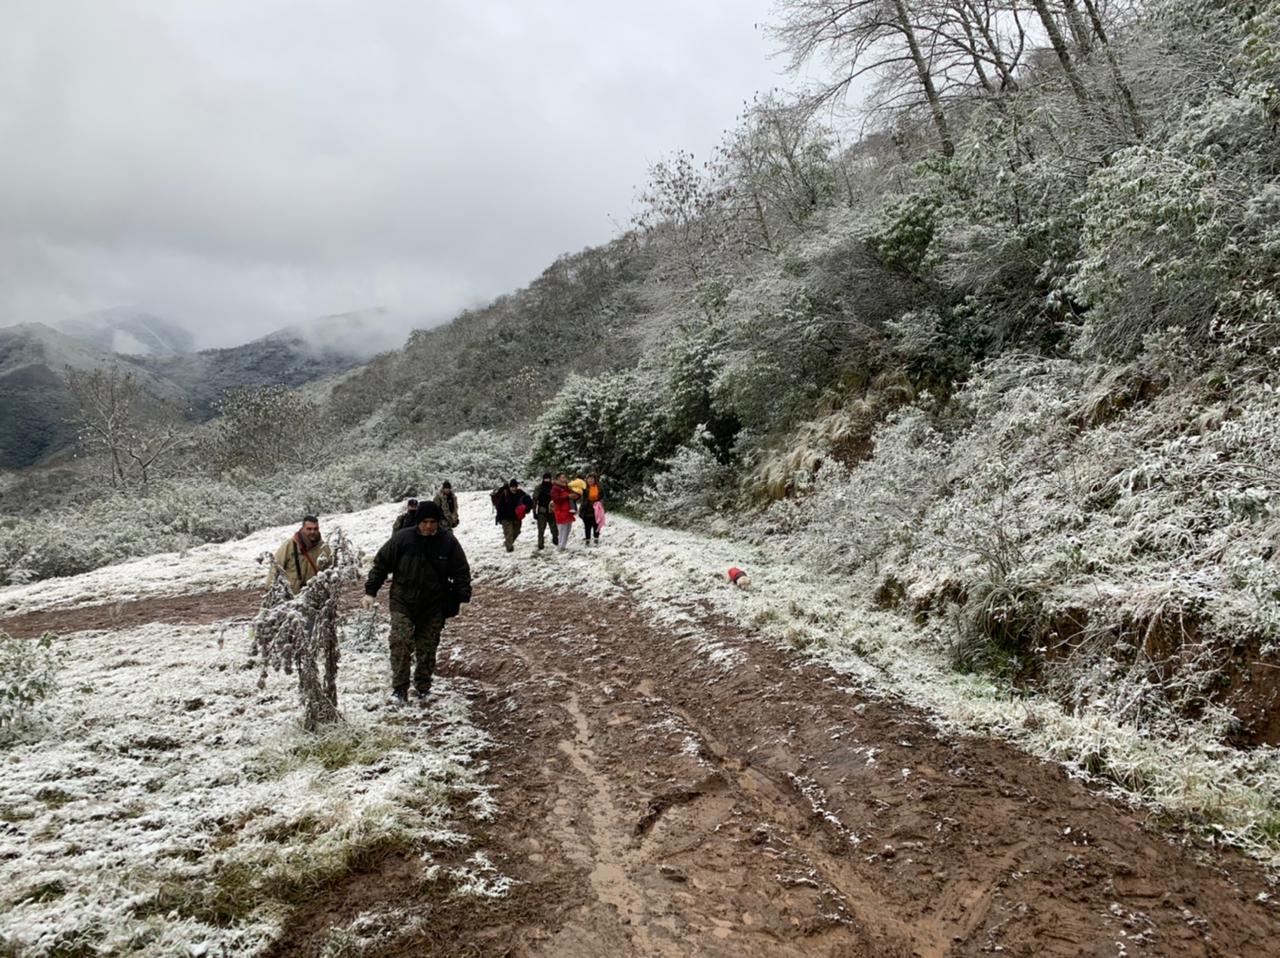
{"x": 662, "y": 796}
{"x": 192, "y": 609}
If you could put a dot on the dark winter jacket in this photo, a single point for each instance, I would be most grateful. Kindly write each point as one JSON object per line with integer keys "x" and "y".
{"x": 429, "y": 574}
{"x": 542, "y": 498}
{"x": 591, "y": 494}
{"x": 404, "y": 520}
{"x": 505, "y": 501}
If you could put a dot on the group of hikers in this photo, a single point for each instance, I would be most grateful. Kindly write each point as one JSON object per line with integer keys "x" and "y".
{"x": 554, "y": 504}
{"x": 430, "y": 575}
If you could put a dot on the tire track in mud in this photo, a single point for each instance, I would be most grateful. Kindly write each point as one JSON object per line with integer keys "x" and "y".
{"x": 655, "y": 802}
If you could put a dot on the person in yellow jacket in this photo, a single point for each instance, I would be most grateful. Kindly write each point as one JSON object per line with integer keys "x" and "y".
{"x": 301, "y": 556}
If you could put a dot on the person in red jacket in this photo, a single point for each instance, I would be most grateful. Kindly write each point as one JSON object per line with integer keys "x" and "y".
{"x": 562, "y": 499}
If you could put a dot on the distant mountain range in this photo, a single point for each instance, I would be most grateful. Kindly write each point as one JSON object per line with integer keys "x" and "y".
{"x": 35, "y": 403}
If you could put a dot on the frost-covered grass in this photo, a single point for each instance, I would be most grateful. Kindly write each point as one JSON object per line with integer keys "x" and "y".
{"x": 206, "y": 568}
{"x": 168, "y": 804}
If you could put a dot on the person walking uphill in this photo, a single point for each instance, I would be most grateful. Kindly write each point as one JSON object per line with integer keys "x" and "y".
{"x": 591, "y": 497}
{"x": 542, "y": 510}
{"x": 512, "y": 503}
{"x": 448, "y": 504}
{"x": 430, "y": 578}
{"x": 406, "y": 518}
{"x": 562, "y": 504}
{"x": 301, "y": 556}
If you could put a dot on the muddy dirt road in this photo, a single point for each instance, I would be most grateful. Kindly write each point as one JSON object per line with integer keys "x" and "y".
{"x": 662, "y": 796}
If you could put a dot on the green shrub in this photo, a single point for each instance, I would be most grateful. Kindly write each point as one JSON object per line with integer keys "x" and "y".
{"x": 612, "y": 425}
{"x": 28, "y": 676}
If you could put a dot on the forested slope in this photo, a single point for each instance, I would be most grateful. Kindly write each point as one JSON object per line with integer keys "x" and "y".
{"x": 1008, "y": 364}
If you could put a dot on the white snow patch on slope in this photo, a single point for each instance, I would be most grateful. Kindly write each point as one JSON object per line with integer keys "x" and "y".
{"x": 166, "y": 773}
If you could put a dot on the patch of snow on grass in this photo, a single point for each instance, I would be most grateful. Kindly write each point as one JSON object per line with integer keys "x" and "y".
{"x": 171, "y": 804}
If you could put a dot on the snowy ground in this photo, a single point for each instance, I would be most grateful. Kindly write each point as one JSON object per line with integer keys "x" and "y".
{"x": 167, "y": 806}
{"x": 161, "y": 757}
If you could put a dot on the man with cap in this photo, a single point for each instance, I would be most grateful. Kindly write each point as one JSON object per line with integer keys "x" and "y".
{"x": 542, "y": 509}
{"x": 430, "y": 577}
{"x": 512, "y": 504}
{"x": 408, "y": 517}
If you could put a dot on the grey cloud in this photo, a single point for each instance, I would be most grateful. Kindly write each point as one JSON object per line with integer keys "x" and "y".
{"x": 243, "y": 165}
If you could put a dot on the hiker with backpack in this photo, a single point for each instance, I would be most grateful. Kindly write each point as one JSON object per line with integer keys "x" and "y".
{"x": 430, "y": 579}
{"x": 511, "y": 504}
{"x": 591, "y": 509}
{"x": 562, "y": 504}
{"x": 448, "y": 504}
{"x": 301, "y": 556}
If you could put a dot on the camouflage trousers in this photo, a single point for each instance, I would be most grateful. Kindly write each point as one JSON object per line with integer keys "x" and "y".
{"x": 510, "y": 532}
{"x": 411, "y": 641}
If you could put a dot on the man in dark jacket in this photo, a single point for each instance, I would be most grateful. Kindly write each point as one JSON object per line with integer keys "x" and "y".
{"x": 542, "y": 509}
{"x": 512, "y": 503}
{"x": 429, "y": 578}
{"x": 407, "y": 518}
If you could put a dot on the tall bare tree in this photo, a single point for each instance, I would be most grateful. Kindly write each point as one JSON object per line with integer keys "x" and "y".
{"x": 862, "y": 37}
{"x": 116, "y": 416}
{"x": 1050, "y": 25}
{"x": 1100, "y": 31}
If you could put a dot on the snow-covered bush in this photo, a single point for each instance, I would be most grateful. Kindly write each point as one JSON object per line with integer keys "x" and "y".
{"x": 1186, "y": 233}
{"x": 855, "y": 515}
{"x": 180, "y": 513}
{"x": 695, "y": 486}
{"x": 1108, "y": 532}
{"x": 611, "y": 425}
{"x": 28, "y": 675}
{"x": 299, "y": 633}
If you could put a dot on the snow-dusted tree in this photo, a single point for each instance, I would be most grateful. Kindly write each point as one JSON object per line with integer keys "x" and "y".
{"x": 612, "y": 425}
{"x": 264, "y": 429}
{"x": 776, "y": 172}
{"x": 299, "y": 633}
{"x": 974, "y": 42}
{"x": 677, "y": 208}
{"x": 133, "y": 430}
{"x": 860, "y": 37}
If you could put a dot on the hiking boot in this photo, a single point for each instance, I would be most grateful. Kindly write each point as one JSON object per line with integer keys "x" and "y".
{"x": 399, "y": 698}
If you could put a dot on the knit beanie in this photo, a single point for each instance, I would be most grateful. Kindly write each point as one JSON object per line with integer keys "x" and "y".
{"x": 428, "y": 510}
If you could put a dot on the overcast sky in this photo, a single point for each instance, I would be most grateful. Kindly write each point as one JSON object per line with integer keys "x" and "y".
{"x": 243, "y": 164}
